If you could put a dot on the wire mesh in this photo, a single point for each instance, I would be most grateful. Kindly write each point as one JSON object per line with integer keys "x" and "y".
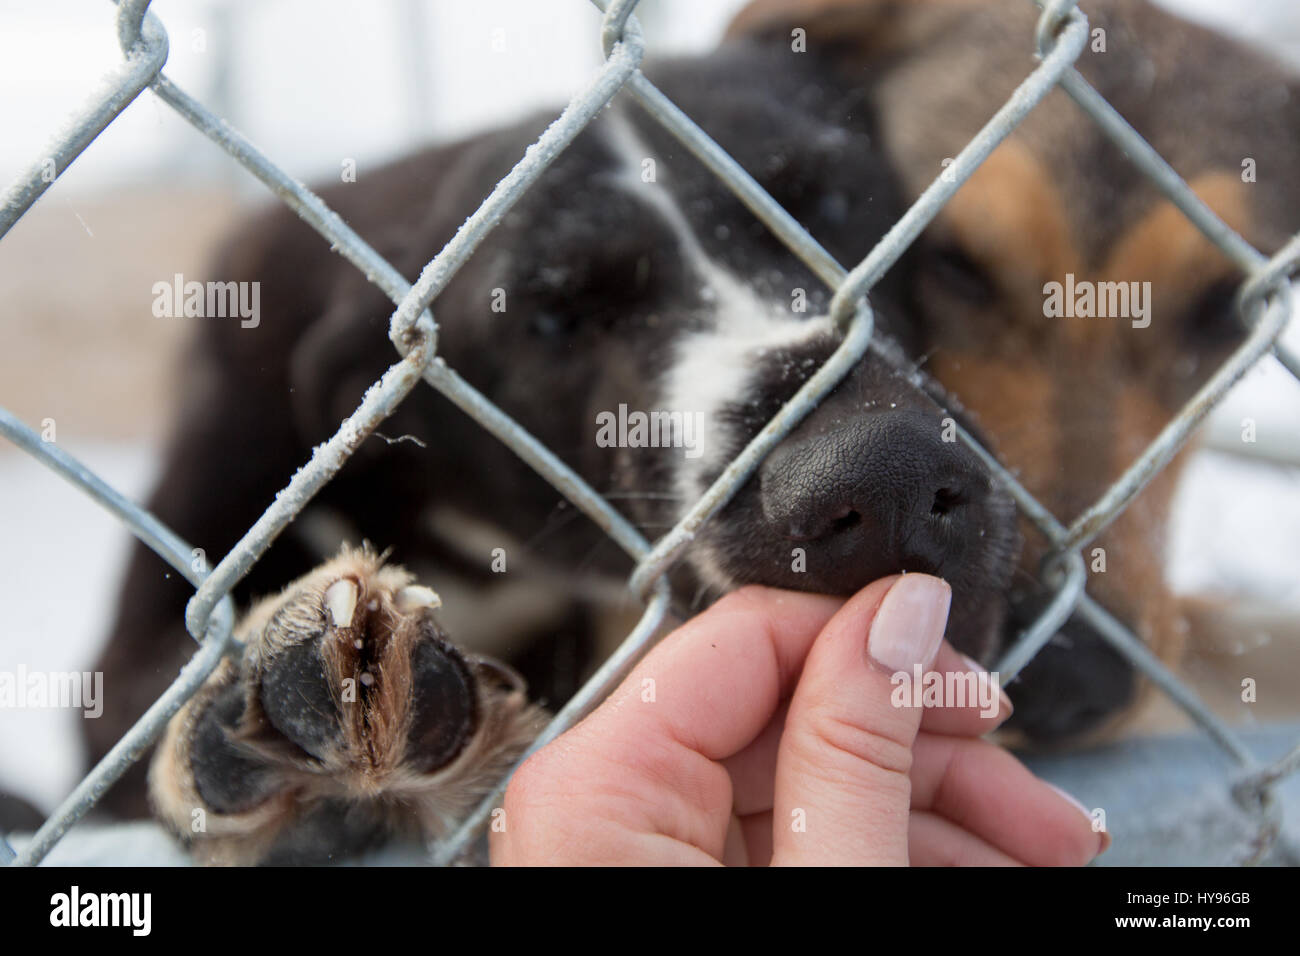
{"x": 1263, "y": 301}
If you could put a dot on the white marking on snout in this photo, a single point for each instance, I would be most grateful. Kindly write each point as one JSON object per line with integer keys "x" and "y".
{"x": 712, "y": 368}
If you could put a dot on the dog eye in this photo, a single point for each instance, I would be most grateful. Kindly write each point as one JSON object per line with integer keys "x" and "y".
{"x": 550, "y": 323}
{"x": 959, "y": 275}
{"x": 1212, "y": 321}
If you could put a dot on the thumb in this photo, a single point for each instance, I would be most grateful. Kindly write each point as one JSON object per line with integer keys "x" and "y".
{"x": 842, "y": 792}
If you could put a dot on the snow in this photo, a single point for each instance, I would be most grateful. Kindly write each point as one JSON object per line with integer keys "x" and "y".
{"x": 61, "y": 560}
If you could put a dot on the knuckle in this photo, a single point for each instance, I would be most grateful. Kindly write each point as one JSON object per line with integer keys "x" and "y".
{"x": 881, "y": 749}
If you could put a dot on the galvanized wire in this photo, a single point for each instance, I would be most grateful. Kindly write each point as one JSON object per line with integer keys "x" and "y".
{"x": 176, "y": 552}
{"x": 1060, "y": 34}
{"x": 123, "y": 84}
{"x": 601, "y": 685}
{"x": 1173, "y": 436}
{"x": 904, "y": 232}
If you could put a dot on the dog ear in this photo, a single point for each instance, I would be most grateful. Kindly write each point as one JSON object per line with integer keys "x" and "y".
{"x": 862, "y": 27}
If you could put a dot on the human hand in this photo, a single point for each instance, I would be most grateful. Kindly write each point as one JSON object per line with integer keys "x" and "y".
{"x": 763, "y": 731}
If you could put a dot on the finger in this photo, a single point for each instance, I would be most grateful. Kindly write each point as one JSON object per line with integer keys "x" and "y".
{"x": 715, "y": 683}
{"x": 757, "y": 830}
{"x": 735, "y": 852}
{"x": 842, "y": 793}
{"x": 935, "y": 841}
{"x": 986, "y": 791}
{"x": 753, "y": 769}
{"x": 983, "y": 707}
{"x": 648, "y": 756}
{"x": 967, "y": 701}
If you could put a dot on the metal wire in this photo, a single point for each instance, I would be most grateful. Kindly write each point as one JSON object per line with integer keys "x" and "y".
{"x": 601, "y": 685}
{"x": 1264, "y": 302}
{"x": 176, "y": 552}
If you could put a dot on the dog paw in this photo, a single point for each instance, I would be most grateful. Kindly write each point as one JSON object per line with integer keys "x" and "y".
{"x": 350, "y": 719}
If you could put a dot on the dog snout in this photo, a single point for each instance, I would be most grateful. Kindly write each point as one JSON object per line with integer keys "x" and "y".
{"x": 879, "y": 494}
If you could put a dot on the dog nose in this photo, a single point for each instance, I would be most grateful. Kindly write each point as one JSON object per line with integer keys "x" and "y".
{"x": 879, "y": 494}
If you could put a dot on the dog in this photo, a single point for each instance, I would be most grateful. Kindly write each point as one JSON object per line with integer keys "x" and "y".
{"x": 628, "y": 286}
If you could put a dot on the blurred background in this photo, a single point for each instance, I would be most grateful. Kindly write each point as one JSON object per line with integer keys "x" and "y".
{"x": 315, "y": 83}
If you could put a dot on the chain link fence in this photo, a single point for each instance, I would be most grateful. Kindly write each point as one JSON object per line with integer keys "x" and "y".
{"x": 1263, "y": 301}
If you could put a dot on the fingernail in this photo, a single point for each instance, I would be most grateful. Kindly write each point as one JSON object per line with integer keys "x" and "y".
{"x": 1105, "y": 834}
{"x": 909, "y": 623}
{"x": 1005, "y": 707}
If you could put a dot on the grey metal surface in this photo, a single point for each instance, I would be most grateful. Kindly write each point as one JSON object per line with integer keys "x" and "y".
{"x": 1165, "y": 802}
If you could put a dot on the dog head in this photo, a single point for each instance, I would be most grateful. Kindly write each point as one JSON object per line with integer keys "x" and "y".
{"x": 653, "y": 299}
{"x": 1070, "y": 391}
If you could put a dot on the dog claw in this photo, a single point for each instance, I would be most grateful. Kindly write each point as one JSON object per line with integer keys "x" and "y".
{"x": 341, "y": 600}
{"x": 416, "y": 596}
